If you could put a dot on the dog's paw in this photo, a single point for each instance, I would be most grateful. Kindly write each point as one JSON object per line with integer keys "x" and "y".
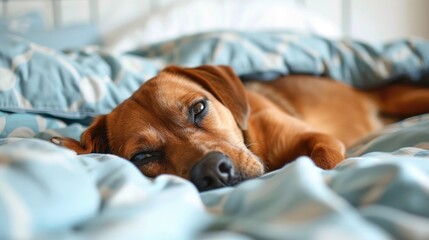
{"x": 70, "y": 144}
{"x": 326, "y": 157}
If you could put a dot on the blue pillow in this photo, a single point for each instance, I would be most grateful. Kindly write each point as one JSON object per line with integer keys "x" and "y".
{"x": 31, "y": 26}
{"x": 70, "y": 37}
{"x": 23, "y": 23}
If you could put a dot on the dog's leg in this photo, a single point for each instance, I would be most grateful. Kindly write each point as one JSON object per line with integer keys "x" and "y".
{"x": 326, "y": 151}
{"x": 280, "y": 138}
{"x": 401, "y": 100}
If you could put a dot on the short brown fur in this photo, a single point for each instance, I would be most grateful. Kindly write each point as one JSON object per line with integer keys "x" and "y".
{"x": 261, "y": 127}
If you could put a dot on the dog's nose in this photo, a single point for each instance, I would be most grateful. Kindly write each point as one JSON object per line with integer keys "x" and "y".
{"x": 214, "y": 170}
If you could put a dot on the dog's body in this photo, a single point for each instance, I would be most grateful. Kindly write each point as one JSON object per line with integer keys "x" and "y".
{"x": 204, "y": 125}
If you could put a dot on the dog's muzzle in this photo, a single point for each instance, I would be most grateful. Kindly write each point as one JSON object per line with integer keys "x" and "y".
{"x": 214, "y": 170}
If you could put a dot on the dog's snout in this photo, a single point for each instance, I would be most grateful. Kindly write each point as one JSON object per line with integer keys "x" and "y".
{"x": 214, "y": 170}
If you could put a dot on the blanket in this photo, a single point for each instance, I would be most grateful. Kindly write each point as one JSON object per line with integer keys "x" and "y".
{"x": 51, "y": 193}
{"x": 91, "y": 82}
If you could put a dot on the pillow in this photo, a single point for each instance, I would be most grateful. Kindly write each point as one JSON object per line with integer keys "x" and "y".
{"x": 195, "y": 16}
{"x": 22, "y": 23}
{"x": 69, "y": 37}
{"x": 31, "y": 26}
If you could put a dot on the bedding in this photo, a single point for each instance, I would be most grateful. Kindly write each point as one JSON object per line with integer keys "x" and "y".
{"x": 32, "y": 26}
{"x": 64, "y": 38}
{"x": 31, "y": 21}
{"x": 48, "y": 192}
{"x": 90, "y": 82}
{"x": 189, "y": 17}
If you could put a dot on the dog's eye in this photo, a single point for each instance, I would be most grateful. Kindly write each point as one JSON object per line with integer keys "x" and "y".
{"x": 144, "y": 158}
{"x": 198, "y": 108}
{"x": 197, "y": 111}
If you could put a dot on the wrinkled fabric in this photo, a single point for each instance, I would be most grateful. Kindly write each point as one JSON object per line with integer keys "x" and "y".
{"x": 92, "y": 81}
{"x": 49, "y": 192}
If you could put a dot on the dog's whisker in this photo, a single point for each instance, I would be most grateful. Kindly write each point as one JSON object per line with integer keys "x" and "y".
{"x": 120, "y": 147}
{"x": 250, "y": 144}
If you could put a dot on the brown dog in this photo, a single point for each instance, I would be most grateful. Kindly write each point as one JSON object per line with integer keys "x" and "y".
{"x": 202, "y": 123}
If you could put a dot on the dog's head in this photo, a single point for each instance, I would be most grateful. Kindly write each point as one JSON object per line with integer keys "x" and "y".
{"x": 185, "y": 121}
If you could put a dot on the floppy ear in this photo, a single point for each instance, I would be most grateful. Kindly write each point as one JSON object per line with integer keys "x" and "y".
{"x": 224, "y": 84}
{"x": 93, "y": 140}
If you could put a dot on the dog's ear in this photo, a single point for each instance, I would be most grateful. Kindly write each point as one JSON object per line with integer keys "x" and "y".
{"x": 224, "y": 84}
{"x": 93, "y": 140}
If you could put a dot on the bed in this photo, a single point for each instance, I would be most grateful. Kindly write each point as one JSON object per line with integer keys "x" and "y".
{"x": 381, "y": 191}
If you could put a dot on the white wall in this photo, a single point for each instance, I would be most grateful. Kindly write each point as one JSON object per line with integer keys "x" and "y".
{"x": 375, "y": 20}
{"x": 330, "y": 9}
{"x": 369, "y": 20}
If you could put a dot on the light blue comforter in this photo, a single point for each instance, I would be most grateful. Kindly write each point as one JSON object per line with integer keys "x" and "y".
{"x": 92, "y": 82}
{"x": 48, "y": 192}
{"x": 51, "y": 193}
